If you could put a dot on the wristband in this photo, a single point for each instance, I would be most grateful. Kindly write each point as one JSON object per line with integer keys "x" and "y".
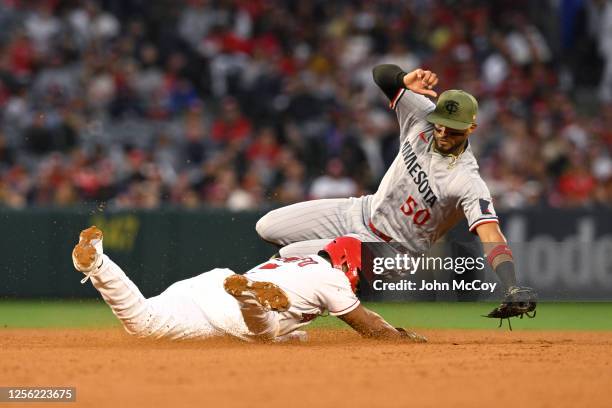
{"x": 501, "y": 249}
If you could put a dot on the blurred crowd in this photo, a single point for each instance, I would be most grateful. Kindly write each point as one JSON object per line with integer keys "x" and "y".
{"x": 245, "y": 104}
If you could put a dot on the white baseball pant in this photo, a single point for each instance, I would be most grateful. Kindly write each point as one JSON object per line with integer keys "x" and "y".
{"x": 305, "y": 228}
{"x": 194, "y": 308}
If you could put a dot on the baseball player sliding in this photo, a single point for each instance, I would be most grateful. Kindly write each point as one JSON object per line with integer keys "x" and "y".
{"x": 269, "y": 302}
{"x": 431, "y": 185}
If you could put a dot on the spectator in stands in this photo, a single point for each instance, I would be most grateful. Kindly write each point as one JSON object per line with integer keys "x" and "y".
{"x": 334, "y": 183}
{"x": 242, "y": 104}
{"x": 232, "y": 127}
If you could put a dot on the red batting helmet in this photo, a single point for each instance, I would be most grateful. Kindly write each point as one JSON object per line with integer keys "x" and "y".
{"x": 346, "y": 250}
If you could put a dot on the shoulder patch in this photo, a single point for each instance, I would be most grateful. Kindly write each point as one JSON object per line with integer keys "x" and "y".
{"x": 485, "y": 207}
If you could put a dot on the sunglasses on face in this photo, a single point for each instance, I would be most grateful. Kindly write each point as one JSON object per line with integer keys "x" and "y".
{"x": 450, "y": 132}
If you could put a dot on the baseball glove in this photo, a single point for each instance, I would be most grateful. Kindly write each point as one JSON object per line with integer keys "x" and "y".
{"x": 518, "y": 301}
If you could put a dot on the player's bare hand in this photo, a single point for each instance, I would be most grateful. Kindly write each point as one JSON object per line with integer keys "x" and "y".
{"x": 422, "y": 82}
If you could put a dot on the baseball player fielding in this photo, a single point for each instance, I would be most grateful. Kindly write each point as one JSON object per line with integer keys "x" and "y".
{"x": 431, "y": 185}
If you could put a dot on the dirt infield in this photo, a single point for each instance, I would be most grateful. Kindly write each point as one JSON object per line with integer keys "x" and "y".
{"x": 459, "y": 368}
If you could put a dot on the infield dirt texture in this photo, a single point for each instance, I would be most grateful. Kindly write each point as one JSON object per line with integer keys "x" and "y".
{"x": 336, "y": 368}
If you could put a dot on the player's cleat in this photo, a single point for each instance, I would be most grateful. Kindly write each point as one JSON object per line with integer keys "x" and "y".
{"x": 87, "y": 254}
{"x": 267, "y": 294}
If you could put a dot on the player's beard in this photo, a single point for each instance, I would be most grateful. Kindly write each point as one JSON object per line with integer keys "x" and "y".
{"x": 446, "y": 145}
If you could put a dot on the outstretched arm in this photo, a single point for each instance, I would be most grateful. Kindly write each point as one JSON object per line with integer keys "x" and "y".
{"x": 498, "y": 253}
{"x": 372, "y": 325}
{"x": 390, "y": 78}
{"x": 408, "y": 94}
{"x": 517, "y": 300}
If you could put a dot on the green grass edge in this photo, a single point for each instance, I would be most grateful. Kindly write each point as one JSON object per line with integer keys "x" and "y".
{"x": 550, "y": 316}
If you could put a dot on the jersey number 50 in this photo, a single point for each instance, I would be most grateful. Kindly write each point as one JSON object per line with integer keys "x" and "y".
{"x": 419, "y": 217}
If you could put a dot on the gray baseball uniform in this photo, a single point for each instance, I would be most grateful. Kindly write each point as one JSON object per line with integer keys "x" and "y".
{"x": 422, "y": 195}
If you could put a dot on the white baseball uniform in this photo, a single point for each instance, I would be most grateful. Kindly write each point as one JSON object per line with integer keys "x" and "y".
{"x": 422, "y": 195}
{"x": 199, "y": 307}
